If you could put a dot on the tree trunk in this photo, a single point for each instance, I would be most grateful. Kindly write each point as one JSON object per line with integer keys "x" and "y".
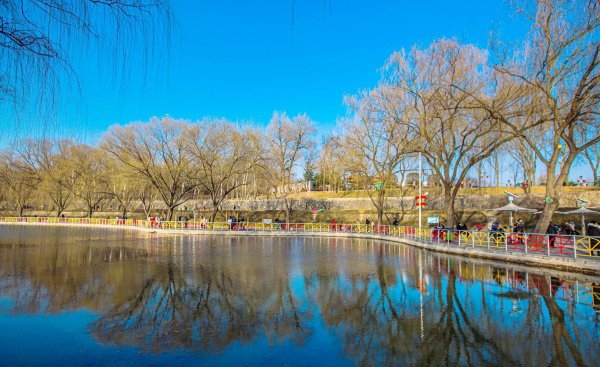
{"x": 21, "y": 209}
{"x": 380, "y": 216}
{"x": 171, "y": 212}
{"x": 288, "y": 209}
{"x": 214, "y": 214}
{"x": 147, "y": 208}
{"x": 554, "y": 189}
{"x": 90, "y": 211}
{"x": 449, "y": 198}
{"x": 530, "y": 180}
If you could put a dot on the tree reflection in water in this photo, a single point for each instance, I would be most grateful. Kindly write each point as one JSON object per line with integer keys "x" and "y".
{"x": 384, "y": 304}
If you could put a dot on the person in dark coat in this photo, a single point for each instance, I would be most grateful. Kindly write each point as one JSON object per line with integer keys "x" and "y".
{"x": 553, "y": 230}
{"x": 593, "y": 230}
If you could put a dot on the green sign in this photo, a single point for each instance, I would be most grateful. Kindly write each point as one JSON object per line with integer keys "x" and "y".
{"x": 548, "y": 200}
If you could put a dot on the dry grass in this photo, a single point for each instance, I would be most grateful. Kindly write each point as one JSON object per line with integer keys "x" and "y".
{"x": 433, "y": 191}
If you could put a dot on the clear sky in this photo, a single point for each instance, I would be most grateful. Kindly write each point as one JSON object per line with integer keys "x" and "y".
{"x": 244, "y": 59}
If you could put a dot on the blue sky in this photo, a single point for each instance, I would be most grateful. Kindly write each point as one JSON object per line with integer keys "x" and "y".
{"x": 242, "y": 60}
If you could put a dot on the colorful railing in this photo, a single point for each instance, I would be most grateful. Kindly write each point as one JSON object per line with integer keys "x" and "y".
{"x": 527, "y": 243}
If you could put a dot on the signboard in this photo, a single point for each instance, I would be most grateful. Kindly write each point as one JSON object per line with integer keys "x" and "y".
{"x": 433, "y": 219}
{"x": 267, "y": 221}
{"x": 420, "y": 200}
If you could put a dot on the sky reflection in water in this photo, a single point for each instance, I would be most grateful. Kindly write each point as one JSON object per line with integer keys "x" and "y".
{"x": 85, "y": 296}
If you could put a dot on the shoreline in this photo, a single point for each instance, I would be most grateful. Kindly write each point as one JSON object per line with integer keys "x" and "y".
{"x": 583, "y": 266}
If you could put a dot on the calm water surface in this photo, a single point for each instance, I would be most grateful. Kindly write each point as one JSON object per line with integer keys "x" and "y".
{"x": 82, "y": 296}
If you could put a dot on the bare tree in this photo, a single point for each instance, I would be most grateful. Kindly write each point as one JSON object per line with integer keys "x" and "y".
{"x": 19, "y": 178}
{"x": 330, "y": 165}
{"x": 157, "y": 152}
{"x": 287, "y": 139}
{"x": 147, "y": 194}
{"x": 224, "y": 154}
{"x": 526, "y": 161}
{"x": 122, "y": 185}
{"x": 452, "y": 135}
{"x": 50, "y": 162}
{"x": 89, "y": 168}
{"x": 592, "y": 156}
{"x": 553, "y": 81}
{"x": 376, "y": 142}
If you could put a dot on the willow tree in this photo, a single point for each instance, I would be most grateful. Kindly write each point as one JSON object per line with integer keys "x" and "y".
{"x": 156, "y": 152}
{"x": 555, "y": 83}
{"x": 376, "y": 140}
{"x": 451, "y": 133}
{"x": 122, "y": 185}
{"x": 50, "y": 162}
{"x": 43, "y": 41}
{"x": 91, "y": 179}
{"x": 225, "y": 154}
{"x": 19, "y": 179}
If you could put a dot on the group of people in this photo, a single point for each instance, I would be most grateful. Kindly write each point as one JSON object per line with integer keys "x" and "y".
{"x": 235, "y": 223}
{"x": 568, "y": 228}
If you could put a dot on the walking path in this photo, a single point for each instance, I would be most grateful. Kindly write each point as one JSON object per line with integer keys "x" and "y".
{"x": 569, "y": 253}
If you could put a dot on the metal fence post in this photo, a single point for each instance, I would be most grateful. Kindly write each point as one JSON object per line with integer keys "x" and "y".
{"x": 574, "y": 248}
{"x": 547, "y": 245}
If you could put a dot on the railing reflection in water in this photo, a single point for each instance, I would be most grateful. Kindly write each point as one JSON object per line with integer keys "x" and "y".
{"x": 387, "y": 303}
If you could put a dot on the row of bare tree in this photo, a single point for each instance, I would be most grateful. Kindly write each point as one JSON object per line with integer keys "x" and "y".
{"x": 168, "y": 160}
{"x": 456, "y": 104}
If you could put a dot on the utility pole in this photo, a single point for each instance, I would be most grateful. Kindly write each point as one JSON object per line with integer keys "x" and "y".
{"x": 420, "y": 189}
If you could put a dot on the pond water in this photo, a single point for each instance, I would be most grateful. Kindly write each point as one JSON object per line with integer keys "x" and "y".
{"x": 82, "y": 296}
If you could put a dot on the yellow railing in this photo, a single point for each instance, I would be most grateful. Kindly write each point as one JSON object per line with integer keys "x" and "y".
{"x": 551, "y": 245}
